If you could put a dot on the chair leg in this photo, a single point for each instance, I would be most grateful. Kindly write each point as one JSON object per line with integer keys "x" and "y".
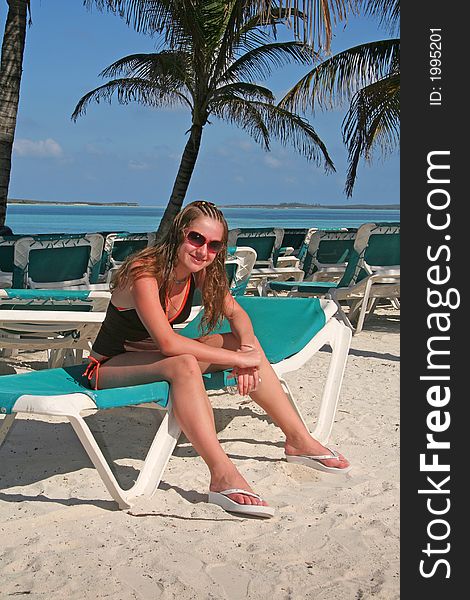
{"x": 340, "y": 341}
{"x": 5, "y": 426}
{"x": 364, "y": 305}
{"x": 157, "y": 458}
{"x": 290, "y": 396}
{"x": 56, "y": 358}
{"x": 99, "y": 461}
{"x": 345, "y": 318}
{"x": 155, "y": 462}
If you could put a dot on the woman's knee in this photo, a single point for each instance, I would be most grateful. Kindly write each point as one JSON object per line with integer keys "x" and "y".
{"x": 184, "y": 365}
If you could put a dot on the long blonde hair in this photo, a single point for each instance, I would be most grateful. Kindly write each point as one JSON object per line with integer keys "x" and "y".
{"x": 160, "y": 260}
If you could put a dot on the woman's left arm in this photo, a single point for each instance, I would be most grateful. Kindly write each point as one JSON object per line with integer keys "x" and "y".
{"x": 240, "y": 323}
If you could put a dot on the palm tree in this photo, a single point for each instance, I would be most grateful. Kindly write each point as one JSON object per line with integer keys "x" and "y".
{"x": 212, "y": 70}
{"x": 316, "y": 20}
{"x": 368, "y": 76}
{"x": 311, "y": 20}
{"x": 11, "y": 64}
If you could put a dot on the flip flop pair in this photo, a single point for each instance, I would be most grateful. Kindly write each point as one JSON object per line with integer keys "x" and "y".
{"x": 251, "y": 510}
{"x": 314, "y": 462}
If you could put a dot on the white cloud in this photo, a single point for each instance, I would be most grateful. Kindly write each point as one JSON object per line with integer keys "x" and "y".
{"x": 138, "y": 166}
{"x": 39, "y": 149}
{"x": 272, "y": 162}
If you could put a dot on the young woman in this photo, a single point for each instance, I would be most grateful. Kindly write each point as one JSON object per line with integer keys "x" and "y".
{"x": 137, "y": 344}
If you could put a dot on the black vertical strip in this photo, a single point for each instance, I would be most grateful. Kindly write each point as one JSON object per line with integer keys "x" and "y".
{"x": 436, "y": 260}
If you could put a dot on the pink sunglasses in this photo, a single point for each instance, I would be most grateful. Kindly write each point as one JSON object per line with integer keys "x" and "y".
{"x": 198, "y": 240}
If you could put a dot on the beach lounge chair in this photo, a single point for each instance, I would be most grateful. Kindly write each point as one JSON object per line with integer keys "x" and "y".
{"x": 64, "y": 322}
{"x": 239, "y": 266}
{"x": 372, "y": 273}
{"x": 57, "y": 260}
{"x": 291, "y": 330}
{"x": 293, "y": 247}
{"x": 266, "y": 242}
{"x": 327, "y": 254}
{"x": 118, "y": 246}
{"x": 7, "y": 247}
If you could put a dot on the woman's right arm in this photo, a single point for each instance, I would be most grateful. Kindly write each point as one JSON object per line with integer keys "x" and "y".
{"x": 146, "y": 300}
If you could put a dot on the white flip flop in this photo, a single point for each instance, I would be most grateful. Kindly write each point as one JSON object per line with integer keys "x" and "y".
{"x": 252, "y": 510}
{"x": 314, "y": 462}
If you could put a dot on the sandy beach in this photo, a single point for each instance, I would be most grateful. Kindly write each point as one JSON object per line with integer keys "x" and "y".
{"x": 333, "y": 537}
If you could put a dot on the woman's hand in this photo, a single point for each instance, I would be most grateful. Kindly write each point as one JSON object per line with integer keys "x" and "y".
{"x": 248, "y": 358}
{"x": 248, "y": 376}
{"x": 247, "y": 379}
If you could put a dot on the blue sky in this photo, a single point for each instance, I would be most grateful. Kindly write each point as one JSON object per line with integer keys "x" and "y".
{"x": 131, "y": 153}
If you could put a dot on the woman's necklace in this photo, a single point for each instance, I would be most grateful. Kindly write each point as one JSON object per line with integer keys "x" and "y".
{"x": 180, "y": 281}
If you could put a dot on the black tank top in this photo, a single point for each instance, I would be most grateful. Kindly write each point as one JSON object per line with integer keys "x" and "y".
{"x": 121, "y": 326}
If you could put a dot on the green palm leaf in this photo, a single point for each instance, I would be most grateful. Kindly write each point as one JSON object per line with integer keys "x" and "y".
{"x": 260, "y": 62}
{"x": 337, "y": 79}
{"x": 248, "y": 91}
{"x": 133, "y": 89}
{"x": 373, "y": 120}
{"x": 265, "y": 121}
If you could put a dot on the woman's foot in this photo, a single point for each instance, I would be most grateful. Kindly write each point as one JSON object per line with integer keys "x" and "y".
{"x": 313, "y": 450}
{"x": 231, "y": 479}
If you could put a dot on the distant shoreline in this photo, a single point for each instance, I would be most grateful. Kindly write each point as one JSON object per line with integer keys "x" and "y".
{"x": 281, "y": 206}
{"x": 49, "y": 202}
{"x": 284, "y": 206}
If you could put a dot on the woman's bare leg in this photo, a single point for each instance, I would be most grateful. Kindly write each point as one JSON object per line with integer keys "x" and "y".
{"x": 191, "y": 407}
{"x": 273, "y": 400}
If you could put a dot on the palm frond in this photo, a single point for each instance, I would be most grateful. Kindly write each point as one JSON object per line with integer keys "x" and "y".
{"x": 128, "y": 90}
{"x": 248, "y": 91}
{"x": 282, "y": 125}
{"x": 245, "y": 115}
{"x": 170, "y": 68}
{"x": 387, "y": 11}
{"x": 373, "y": 121}
{"x": 260, "y": 62}
{"x": 316, "y": 24}
{"x": 337, "y": 79}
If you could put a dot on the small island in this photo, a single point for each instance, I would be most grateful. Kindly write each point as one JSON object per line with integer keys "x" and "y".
{"x": 284, "y": 205}
{"x": 71, "y": 203}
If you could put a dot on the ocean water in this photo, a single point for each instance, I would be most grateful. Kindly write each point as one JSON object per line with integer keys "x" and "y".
{"x": 34, "y": 218}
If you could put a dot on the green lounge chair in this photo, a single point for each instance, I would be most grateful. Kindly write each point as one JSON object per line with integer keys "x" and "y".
{"x": 291, "y": 330}
{"x": 372, "y": 273}
{"x": 327, "y": 254}
{"x": 7, "y": 250}
{"x": 57, "y": 260}
{"x": 64, "y": 322}
{"x": 266, "y": 242}
{"x": 118, "y": 246}
{"x": 293, "y": 246}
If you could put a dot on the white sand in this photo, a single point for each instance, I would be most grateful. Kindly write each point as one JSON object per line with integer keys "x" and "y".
{"x": 333, "y": 537}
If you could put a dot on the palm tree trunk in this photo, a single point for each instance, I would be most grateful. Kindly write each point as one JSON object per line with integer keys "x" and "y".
{"x": 183, "y": 177}
{"x": 10, "y": 80}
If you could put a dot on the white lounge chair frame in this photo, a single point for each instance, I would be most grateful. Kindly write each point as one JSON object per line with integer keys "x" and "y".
{"x": 76, "y": 406}
{"x": 64, "y": 333}
{"x": 326, "y": 271}
{"x": 110, "y": 241}
{"x": 245, "y": 259}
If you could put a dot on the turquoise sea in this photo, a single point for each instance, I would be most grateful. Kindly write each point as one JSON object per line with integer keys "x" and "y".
{"x": 35, "y": 218}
